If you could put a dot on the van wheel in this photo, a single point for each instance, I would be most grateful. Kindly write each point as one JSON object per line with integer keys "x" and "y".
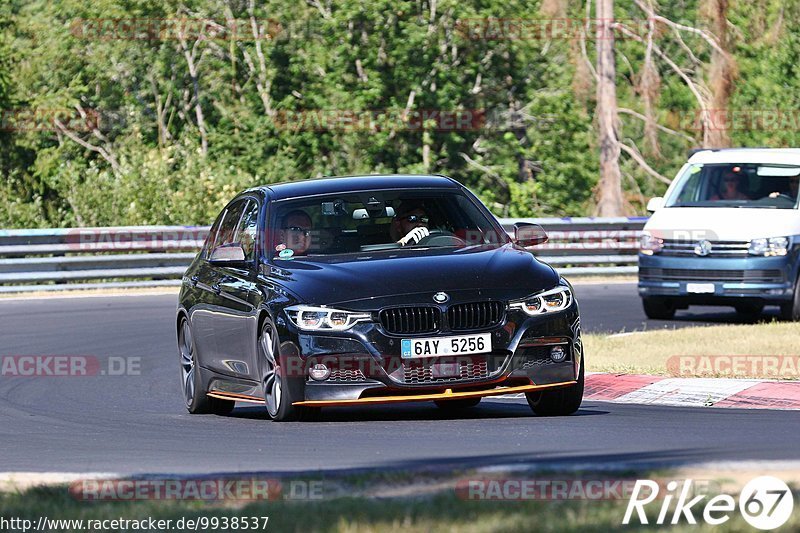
{"x": 658, "y": 308}
{"x": 791, "y": 310}
{"x": 749, "y": 311}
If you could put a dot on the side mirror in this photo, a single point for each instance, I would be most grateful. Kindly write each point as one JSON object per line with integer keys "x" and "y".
{"x": 655, "y": 204}
{"x": 527, "y": 234}
{"x": 231, "y": 255}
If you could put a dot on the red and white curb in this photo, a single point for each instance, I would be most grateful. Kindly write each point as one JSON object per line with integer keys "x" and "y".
{"x": 693, "y": 392}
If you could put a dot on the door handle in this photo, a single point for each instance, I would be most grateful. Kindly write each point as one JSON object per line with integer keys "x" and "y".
{"x": 216, "y": 288}
{"x": 194, "y": 280}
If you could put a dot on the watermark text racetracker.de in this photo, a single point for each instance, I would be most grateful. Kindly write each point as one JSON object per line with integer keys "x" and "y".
{"x": 68, "y": 366}
{"x": 174, "y": 29}
{"x": 735, "y": 366}
{"x": 135, "y": 239}
{"x": 557, "y": 489}
{"x": 241, "y": 489}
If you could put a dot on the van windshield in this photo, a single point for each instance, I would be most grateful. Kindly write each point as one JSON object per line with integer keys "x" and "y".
{"x": 737, "y": 185}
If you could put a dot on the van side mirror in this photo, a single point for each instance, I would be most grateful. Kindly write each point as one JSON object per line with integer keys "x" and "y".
{"x": 655, "y": 204}
{"x": 527, "y": 234}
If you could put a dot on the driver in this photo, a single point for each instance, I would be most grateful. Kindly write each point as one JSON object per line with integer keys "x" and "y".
{"x": 410, "y": 223}
{"x": 729, "y": 187}
{"x": 295, "y": 231}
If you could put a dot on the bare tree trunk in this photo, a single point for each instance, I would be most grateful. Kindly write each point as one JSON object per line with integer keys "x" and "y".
{"x": 609, "y": 188}
{"x": 721, "y": 75}
{"x": 190, "y": 56}
{"x": 649, "y": 88}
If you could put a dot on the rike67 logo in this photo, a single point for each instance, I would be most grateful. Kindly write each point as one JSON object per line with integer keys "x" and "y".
{"x": 765, "y": 503}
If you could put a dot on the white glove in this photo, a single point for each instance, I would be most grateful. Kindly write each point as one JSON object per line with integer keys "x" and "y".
{"x": 416, "y": 235}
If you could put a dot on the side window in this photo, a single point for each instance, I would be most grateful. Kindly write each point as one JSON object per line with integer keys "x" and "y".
{"x": 690, "y": 191}
{"x": 248, "y": 230}
{"x": 212, "y": 235}
{"x": 227, "y": 230}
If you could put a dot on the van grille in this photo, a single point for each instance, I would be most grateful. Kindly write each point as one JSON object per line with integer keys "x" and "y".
{"x": 718, "y": 248}
{"x": 687, "y": 274}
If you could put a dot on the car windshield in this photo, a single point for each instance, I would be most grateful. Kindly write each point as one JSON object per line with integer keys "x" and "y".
{"x": 737, "y": 185}
{"x": 379, "y": 220}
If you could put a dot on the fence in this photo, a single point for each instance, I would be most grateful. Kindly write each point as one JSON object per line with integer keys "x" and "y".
{"x": 152, "y": 256}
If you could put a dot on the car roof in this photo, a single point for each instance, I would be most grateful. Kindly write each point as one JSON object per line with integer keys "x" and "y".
{"x": 344, "y": 184}
{"x": 775, "y": 156}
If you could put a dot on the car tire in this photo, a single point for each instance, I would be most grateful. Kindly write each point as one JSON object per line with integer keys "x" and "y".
{"x": 457, "y": 405}
{"x": 280, "y": 390}
{"x": 558, "y": 402}
{"x": 749, "y": 311}
{"x": 658, "y": 308}
{"x": 790, "y": 311}
{"x": 195, "y": 396}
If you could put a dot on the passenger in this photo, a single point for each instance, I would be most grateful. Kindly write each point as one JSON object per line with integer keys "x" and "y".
{"x": 410, "y": 223}
{"x": 729, "y": 187}
{"x": 794, "y": 185}
{"x": 295, "y": 232}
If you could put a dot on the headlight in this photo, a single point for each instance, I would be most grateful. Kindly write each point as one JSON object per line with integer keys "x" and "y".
{"x": 550, "y": 301}
{"x": 774, "y": 246}
{"x": 650, "y": 245}
{"x": 310, "y": 318}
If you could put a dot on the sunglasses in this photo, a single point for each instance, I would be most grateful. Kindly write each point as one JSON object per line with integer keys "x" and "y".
{"x": 297, "y": 229}
{"x": 416, "y": 218}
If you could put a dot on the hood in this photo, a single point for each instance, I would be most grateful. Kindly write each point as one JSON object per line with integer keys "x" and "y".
{"x": 405, "y": 276}
{"x": 723, "y": 223}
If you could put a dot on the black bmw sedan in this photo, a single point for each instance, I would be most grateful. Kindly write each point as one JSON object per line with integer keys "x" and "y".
{"x": 373, "y": 289}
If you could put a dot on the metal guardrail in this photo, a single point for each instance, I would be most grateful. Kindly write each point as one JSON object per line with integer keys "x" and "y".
{"x": 156, "y": 256}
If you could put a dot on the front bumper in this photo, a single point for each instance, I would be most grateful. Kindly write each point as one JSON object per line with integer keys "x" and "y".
{"x": 366, "y": 366}
{"x": 763, "y": 279}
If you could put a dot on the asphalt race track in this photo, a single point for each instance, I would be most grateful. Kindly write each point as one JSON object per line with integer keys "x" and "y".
{"x": 136, "y": 423}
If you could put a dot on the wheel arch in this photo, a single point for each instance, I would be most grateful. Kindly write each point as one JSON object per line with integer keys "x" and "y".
{"x": 180, "y": 315}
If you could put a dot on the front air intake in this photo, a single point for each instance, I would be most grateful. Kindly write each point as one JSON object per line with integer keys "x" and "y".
{"x": 479, "y": 315}
{"x": 410, "y": 320}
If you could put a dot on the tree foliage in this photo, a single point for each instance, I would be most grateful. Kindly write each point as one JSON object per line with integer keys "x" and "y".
{"x": 173, "y": 127}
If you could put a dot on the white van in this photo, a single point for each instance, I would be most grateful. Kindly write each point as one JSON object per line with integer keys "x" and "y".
{"x": 726, "y": 233}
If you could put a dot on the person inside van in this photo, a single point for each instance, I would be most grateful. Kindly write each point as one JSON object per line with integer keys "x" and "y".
{"x": 791, "y": 193}
{"x": 729, "y": 187}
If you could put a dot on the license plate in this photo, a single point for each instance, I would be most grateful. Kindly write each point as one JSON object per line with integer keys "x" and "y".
{"x": 438, "y": 346}
{"x": 700, "y": 288}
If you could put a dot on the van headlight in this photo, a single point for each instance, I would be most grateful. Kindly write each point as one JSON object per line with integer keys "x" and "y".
{"x": 650, "y": 245}
{"x": 550, "y": 301}
{"x": 771, "y": 247}
{"x": 309, "y": 318}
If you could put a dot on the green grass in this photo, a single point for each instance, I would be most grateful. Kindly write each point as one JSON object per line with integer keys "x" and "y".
{"x": 649, "y": 352}
{"x": 440, "y": 511}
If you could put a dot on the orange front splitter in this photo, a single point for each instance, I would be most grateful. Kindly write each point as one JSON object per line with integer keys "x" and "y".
{"x": 446, "y": 395}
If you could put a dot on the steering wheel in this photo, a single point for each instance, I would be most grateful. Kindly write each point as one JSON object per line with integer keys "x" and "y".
{"x": 438, "y": 237}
